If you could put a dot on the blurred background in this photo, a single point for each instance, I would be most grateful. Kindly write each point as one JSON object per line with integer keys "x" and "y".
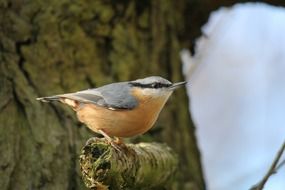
{"x": 226, "y": 131}
{"x": 236, "y": 87}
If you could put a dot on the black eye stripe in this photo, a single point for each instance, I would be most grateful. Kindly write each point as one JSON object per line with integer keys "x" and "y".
{"x": 151, "y": 85}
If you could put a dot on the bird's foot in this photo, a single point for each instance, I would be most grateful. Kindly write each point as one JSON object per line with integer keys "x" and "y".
{"x": 116, "y": 143}
{"x": 119, "y": 141}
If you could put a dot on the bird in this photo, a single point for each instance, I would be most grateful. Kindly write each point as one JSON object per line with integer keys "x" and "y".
{"x": 121, "y": 109}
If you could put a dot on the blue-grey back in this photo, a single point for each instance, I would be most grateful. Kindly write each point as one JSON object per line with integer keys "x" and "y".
{"x": 115, "y": 95}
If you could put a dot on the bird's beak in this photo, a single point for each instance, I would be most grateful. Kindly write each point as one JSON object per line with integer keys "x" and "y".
{"x": 177, "y": 85}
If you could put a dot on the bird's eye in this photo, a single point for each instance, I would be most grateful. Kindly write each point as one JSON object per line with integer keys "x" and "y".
{"x": 155, "y": 85}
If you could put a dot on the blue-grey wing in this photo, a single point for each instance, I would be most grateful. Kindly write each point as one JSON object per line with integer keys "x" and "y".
{"x": 112, "y": 96}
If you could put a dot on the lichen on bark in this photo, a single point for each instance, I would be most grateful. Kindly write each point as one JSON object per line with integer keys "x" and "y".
{"x": 134, "y": 166}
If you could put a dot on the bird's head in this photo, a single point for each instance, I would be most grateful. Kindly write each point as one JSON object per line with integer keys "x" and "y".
{"x": 155, "y": 86}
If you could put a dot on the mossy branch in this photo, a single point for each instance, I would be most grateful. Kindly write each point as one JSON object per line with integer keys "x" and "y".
{"x": 136, "y": 166}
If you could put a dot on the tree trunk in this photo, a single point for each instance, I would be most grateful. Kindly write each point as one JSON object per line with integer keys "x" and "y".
{"x": 53, "y": 47}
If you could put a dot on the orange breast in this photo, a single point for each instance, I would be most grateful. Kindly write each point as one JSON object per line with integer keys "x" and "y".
{"x": 123, "y": 123}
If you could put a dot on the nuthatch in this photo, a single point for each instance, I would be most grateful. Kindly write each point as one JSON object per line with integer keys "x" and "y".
{"x": 122, "y": 109}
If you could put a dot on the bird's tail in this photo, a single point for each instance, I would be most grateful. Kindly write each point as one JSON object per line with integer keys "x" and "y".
{"x": 49, "y": 98}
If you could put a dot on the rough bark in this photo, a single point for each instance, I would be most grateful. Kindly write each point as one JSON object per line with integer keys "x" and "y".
{"x": 52, "y": 47}
{"x": 134, "y": 166}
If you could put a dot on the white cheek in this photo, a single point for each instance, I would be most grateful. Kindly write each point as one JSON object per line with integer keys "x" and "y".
{"x": 155, "y": 92}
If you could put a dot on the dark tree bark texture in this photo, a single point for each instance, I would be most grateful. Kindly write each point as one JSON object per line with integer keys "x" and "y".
{"x": 59, "y": 46}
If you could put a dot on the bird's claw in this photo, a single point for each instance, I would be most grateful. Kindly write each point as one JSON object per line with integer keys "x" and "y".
{"x": 115, "y": 143}
{"x": 116, "y": 146}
